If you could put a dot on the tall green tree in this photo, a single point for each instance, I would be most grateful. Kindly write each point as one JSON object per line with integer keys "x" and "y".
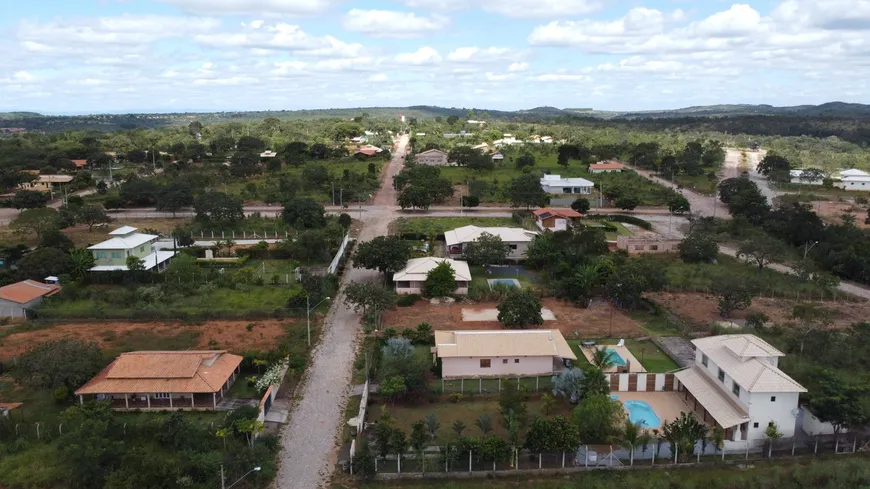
{"x": 520, "y": 309}
{"x": 525, "y": 190}
{"x": 35, "y": 221}
{"x": 440, "y": 281}
{"x": 304, "y": 213}
{"x": 65, "y": 362}
{"x": 30, "y": 199}
{"x": 386, "y": 254}
{"x": 487, "y": 249}
{"x": 599, "y": 418}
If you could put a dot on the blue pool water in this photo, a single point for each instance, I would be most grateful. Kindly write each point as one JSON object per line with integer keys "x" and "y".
{"x": 615, "y": 357}
{"x": 510, "y": 282}
{"x": 641, "y": 412}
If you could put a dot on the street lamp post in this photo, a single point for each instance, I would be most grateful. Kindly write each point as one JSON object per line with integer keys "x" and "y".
{"x": 224, "y": 482}
{"x": 807, "y": 249}
{"x": 308, "y": 314}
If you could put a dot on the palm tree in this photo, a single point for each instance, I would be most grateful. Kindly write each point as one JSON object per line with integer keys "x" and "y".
{"x": 658, "y": 437}
{"x": 82, "y": 262}
{"x": 601, "y": 359}
{"x": 432, "y": 425}
{"x": 512, "y": 425}
{"x": 594, "y": 382}
{"x": 484, "y": 423}
{"x": 458, "y": 427}
{"x": 630, "y": 438}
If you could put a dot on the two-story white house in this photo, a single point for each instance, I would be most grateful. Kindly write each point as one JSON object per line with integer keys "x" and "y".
{"x": 555, "y": 184}
{"x": 111, "y": 255}
{"x": 736, "y": 384}
{"x": 517, "y": 239}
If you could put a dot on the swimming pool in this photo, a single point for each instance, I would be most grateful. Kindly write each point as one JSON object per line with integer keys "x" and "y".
{"x": 509, "y": 282}
{"x": 641, "y": 412}
{"x": 615, "y": 358}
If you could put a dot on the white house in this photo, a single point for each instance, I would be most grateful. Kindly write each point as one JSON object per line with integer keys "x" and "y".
{"x": 854, "y": 180}
{"x": 268, "y": 154}
{"x": 512, "y": 353}
{"x": 410, "y": 279}
{"x": 517, "y": 239}
{"x": 736, "y": 384}
{"x": 434, "y": 157}
{"x": 497, "y": 157}
{"x": 606, "y": 167}
{"x": 555, "y": 184}
{"x": 111, "y": 255}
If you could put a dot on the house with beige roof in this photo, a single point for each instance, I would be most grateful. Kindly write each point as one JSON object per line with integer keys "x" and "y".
{"x": 111, "y": 255}
{"x": 161, "y": 380}
{"x": 411, "y": 279}
{"x": 511, "y": 353}
{"x": 736, "y": 384}
{"x": 518, "y": 239}
{"x": 433, "y": 157}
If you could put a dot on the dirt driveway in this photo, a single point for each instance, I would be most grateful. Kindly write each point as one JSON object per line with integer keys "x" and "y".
{"x": 573, "y": 322}
{"x": 702, "y": 309}
{"x": 230, "y": 335}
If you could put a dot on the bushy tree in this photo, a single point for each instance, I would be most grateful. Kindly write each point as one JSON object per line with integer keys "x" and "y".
{"x": 679, "y": 205}
{"x": 698, "y": 248}
{"x": 548, "y": 435}
{"x": 568, "y": 384}
{"x": 581, "y": 205}
{"x": 525, "y": 190}
{"x": 91, "y": 215}
{"x": 43, "y": 262}
{"x": 175, "y": 197}
{"x": 35, "y": 221}
{"x": 631, "y": 280}
{"x": 30, "y": 199}
{"x": 525, "y": 160}
{"x": 599, "y": 418}
{"x": 760, "y": 249}
{"x": 55, "y": 238}
{"x": 219, "y": 207}
{"x": 440, "y": 281}
{"x": 486, "y": 250}
{"x": 369, "y": 297}
{"x": 304, "y": 213}
{"x": 386, "y": 254}
{"x": 65, "y": 362}
{"x": 733, "y": 294}
{"x": 520, "y": 309}
{"x": 627, "y": 202}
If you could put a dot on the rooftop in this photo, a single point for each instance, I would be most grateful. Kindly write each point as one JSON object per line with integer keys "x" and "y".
{"x": 27, "y": 290}
{"x": 723, "y": 409}
{"x": 549, "y": 211}
{"x": 523, "y": 343}
{"x": 749, "y": 361}
{"x": 606, "y": 166}
{"x": 418, "y": 268}
{"x": 558, "y": 180}
{"x": 55, "y": 178}
{"x": 164, "y": 371}
{"x": 149, "y": 261}
{"x": 467, "y": 234}
{"x": 124, "y": 238}
{"x": 432, "y": 151}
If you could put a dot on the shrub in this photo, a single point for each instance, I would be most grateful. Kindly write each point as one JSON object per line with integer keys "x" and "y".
{"x": 61, "y": 394}
{"x": 407, "y": 300}
{"x": 455, "y": 397}
{"x": 621, "y": 218}
{"x": 756, "y": 320}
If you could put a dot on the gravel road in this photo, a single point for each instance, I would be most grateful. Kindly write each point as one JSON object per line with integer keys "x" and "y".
{"x": 308, "y": 441}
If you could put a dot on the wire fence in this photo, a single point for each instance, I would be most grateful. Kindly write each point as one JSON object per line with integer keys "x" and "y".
{"x": 491, "y": 385}
{"x": 794, "y": 294}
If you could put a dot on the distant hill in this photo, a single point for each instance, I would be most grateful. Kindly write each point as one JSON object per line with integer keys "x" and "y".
{"x": 113, "y": 122}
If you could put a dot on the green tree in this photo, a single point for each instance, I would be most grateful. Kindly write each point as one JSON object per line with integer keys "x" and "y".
{"x": 594, "y": 383}
{"x": 525, "y": 160}
{"x": 733, "y": 294}
{"x": 82, "y": 261}
{"x": 135, "y": 264}
{"x": 218, "y": 207}
{"x": 458, "y": 427}
{"x": 440, "y": 281}
{"x": 556, "y": 434}
{"x": 462, "y": 155}
{"x": 630, "y": 438}
{"x": 415, "y": 197}
{"x": 91, "y": 215}
{"x": 174, "y": 197}
{"x": 487, "y": 249}
{"x": 773, "y": 163}
{"x": 35, "y": 221}
{"x": 679, "y": 204}
{"x": 520, "y": 309}
{"x": 837, "y": 402}
{"x": 602, "y": 359}
{"x": 55, "y": 238}
{"x": 525, "y": 190}
{"x": 370, "y": 298}
{"x": 57, "y": 363}
{"x": 43, "y": 262}
{"x": 304, "y": 213}
{"x": 469, "y": 201}
{"x": 432, "y": 425}
{"x": 568, "y": 384}
{"x": 386, "y": 254}
{"x": 345, "y": 220}
{"x": 760, "y": 249}
{"x": 772, "y": 434}
{"x": 627, "y": 202}
{"x": 698, "y": 248}
{"x": 512, "y": 404}
{"x": 30, "y": 199}
{"x": 393, "y": 387}
{"x": 730, "y": 187}
{"x": 682, "y": 433}
{"x": 581, "y": 205}
{"x": 418, "y": 440}
{"x": 599, "y": 418}
{"x": 631, "y": 280}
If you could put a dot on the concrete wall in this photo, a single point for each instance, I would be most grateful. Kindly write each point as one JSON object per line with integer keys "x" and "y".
{"x": 641, "y": 382}
{"x": 860, "y": 186}
{"x": 560, "y": 189}
{"x": 9, "y": 309}
{"x": 636, "y": 246}
{"x": 515, "y": 366}
{"x": 553, "y": 223}
{"x": 119, "y": 257}
{"x": 812, "y": 425}
{"x": 517, "y": 252}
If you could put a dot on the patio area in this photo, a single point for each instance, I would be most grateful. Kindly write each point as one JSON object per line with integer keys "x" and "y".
{"x": 631, "y": 363}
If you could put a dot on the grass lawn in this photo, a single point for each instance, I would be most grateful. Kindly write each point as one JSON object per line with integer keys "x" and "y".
{"x": 647, "y": 353}
{"x": 697, "y": 183}
{"x": 702, "y": 276}
{"x": 242, "y": 389}
{"x": 436, "y": 226}
{"x": 649, "y": 192}
{"x": 466, "y": 410}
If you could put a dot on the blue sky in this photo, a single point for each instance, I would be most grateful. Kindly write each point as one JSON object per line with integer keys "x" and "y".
{"x": 93, "y": 56}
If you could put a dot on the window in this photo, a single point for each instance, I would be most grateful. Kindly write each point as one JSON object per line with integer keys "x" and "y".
{"x": 566, "y": 190}
{"x": 161, "y": 395}
{"x": 101, "y": 254}
{"x": 735, "y": 389}
{"x": 116, "y": 254}
{"x": 704, "y": 360}
{"x": 772, "y": 398}
{"x": 141, "y": 249}
{"x": 504, "y": 360}
{"x": 516, "y": 360}
{"x": 721, "y": 375}
{"x": 755, "y": 425}
{"x": 513, "y": 247}
{"x": 638, "y": 247}
{"x": 770, "y": 424}
{"x": 654, "y": 247}
{"x": 403, "y": 284}
{"x": 485, "y": 363}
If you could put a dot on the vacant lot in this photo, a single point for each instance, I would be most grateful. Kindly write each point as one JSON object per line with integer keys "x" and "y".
{"x": 436, "y": 226}
{"x": 82, "y": 237}
{"x": 595, "y": 322}
{"x": 125, "y": 336}
{"x": 832, "y": 212}
{"x": 702, "y": 309}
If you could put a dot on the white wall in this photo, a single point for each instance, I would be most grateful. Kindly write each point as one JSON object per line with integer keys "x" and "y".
{"x": 856, "y": 185}
{"x": 417, "y": 288}
{"x": 515, "y": 254}
{"x": 762, "y": 411}
{"x": 814, "y": 426}
{"x": 470, "y": 367}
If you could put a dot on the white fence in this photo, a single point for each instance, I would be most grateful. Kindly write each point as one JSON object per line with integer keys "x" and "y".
{"x": 333, "y": 267}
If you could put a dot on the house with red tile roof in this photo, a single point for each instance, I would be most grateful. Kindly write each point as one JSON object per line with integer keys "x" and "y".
{"x": 555, "y": 219}
{"x": 16, "y": 298}
{"x": 160, "y": 380}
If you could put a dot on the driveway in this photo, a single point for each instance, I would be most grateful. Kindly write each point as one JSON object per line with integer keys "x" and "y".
{"x": 310, "y": 438}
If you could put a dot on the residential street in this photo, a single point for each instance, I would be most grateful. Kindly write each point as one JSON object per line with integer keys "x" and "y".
{"x": 316, "y": 421}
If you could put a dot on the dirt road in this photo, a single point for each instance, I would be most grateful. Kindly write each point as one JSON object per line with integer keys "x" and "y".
{"x": 309, "y": 439}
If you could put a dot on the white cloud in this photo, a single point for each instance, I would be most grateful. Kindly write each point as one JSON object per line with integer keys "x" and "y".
{"x": 518, "y": 67}
{"x": 521, "y": 9}
{"x": 22, "y": 76}
{"x": 253, "y": 7}
{"x": 380, "y": 77}
{"x": 225, "y": 81}
{"x": 560, "y": 77}
{"x": 474, "y": 54}
{"x": 124, "y": 30}
{"x": 389, "y": 23}
{"x": 637, "y": 26}
{"x": 281, "y": 36}
{"x": 496, "y": 77}
{"x": 423, "y": 56}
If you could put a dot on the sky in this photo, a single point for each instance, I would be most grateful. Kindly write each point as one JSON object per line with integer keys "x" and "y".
{"x": 99, "y": 56}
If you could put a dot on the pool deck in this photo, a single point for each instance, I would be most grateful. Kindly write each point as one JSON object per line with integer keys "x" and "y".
{"x": 667, "y": 405}
{"x": 633, "y": 364}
